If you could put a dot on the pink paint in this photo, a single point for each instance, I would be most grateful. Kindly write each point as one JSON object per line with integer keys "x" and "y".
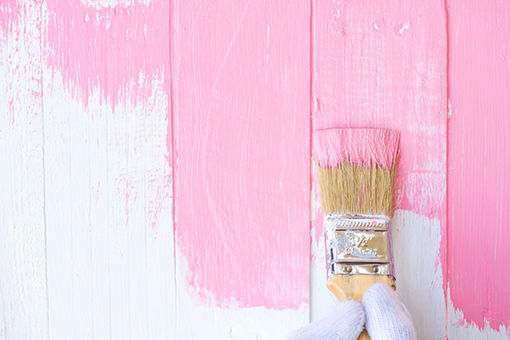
{"x": 371, "y": 74}
{"x": 242, "y": 142}
{"x": 478, "y": 161}
{"x": 119, "y": 50}
{"x": 9, "y": 15}
{"x": 362, "y": 147}
{"x": 122, "y": 52}
{"x": 383, "y": 65}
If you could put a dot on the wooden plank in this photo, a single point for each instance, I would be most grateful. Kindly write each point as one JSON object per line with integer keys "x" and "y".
{"x": 159, "y": 228}
{"x": 242, "y": 155}
{"x": 109, "y": 197}
{"x": 383, "y": 64}
{"x": 478, "y": 161}
{"x": 23, "y": 289}
{"x": 67, "y": 205}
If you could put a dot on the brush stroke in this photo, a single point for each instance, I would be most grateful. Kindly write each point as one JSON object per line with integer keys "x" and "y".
{"x": 242, "y": 130}
{"x": 478, "y": 162}
{"x": 9, "y": 15}
{"x": 362, "y": 147}
{"x": 121, "y": 50}
{"x": 382, "y": 64}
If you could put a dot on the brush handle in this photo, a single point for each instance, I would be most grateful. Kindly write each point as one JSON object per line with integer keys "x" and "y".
{"x": 353, "y": 286}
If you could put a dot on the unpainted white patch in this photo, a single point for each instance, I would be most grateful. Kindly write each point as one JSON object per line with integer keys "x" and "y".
{"x": 376, "y": 27}
{"x": 416, "y": 242}
{"x": 105, "y": 171}
{"x": 23, "y": 294}
{"x": 213, "y": 323}
{"x": 399, "y": 29}
{"x": 449, "y": 109}
{"x": 101, "y": 4}
{"x": 458, "y": 328}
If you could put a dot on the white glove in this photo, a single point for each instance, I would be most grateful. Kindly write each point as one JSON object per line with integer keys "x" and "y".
{"x": 345, "y": 323}
{"x": 386, "y": 319}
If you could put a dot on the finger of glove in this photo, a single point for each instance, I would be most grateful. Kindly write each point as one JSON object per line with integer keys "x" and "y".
{"x": 387, "y": 318}
{"x": 345, "y": 323}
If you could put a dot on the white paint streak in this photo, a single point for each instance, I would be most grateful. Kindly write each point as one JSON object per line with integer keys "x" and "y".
{"x": 110, "y": 234}
{"x": 100, "y": 4}
{"x": 401, "y": 28}
{"x": 23, "y": 294}
{"x": 416, "y": 244}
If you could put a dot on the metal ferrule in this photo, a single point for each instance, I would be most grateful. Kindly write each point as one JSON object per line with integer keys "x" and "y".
{"x": 358, "y": 244}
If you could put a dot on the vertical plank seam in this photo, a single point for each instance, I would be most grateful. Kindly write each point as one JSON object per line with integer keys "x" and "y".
{"x": 145, "y": 224}
{"x": 90, "y": 226}
{"x": 311, "y": 68}
{"x": 108, "y": 223}
{"x": 129, "y": 112}
{"x": 41, "y": 61}
{"x": 171, "y": 112}
{"x": 446, "y": 264}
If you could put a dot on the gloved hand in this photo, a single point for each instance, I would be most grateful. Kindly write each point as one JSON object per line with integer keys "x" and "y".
{"x": 385, "y": 316}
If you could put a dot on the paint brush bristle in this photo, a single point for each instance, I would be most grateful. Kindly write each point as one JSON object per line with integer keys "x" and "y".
{"x": 356, "y": 170}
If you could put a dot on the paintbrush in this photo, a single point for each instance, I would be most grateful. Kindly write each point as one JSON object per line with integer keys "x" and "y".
{"x": 356, "y": 171}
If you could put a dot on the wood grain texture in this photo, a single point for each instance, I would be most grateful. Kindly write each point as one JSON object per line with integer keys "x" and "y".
{"x": 108, "y": 180}
{"x": 23, "y": 290}
{"x": 478, "y": 162}
{"x": 102, "y": 102}
{"x": 382, "y": 64}
{"x": 242, "y": 176}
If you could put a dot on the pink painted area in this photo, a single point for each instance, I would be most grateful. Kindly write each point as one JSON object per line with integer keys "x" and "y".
{"x": 478, "y": 160}
{"x": 383, "y": 65}
{"x": 124, "y": 53}
{"x": 9, "y": 14}
{"x": 362, "y": 147}
{"x": 119, "y": 50}
{"x": 242, "y": 143}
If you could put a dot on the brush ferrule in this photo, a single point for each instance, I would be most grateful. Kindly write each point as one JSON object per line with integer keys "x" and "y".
{"x": 358, "y": 244}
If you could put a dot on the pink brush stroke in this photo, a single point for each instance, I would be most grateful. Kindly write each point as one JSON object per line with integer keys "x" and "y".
{"x": 116, "y": 49}
{"x": 242, "y": 140}
{"x": 9, "y": 15}
{"x": 478, "y": 161}
{"x": 119, "y": 51}
{"x": 384, "y": 66}
{"x": 362, "y": 147}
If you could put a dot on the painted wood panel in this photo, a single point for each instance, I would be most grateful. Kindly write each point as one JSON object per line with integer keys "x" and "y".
{"x": 86, "y": 216}
{"x": 23, "y": 290}
{"x": 242, "y": 167}
{"x": 478, "y": 161}
{"x": 109, "y": 227}
{"x": 382, "y": 64}
{"x": 106, "y": 106}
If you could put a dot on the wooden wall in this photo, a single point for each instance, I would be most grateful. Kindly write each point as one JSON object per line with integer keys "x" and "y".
{"x": 155, "y": 162}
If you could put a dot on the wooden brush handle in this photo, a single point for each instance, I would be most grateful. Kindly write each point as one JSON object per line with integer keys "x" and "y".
{"x": 353, "y": 286}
